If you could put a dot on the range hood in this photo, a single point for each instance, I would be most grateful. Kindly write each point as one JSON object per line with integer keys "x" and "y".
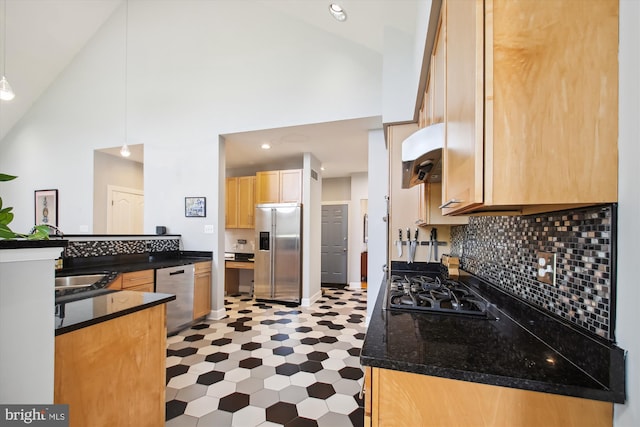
{"x": 422, "y": 156}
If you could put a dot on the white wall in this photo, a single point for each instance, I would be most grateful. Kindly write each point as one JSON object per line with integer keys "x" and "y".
{"x": 628, "y": 315}
{"x": 204, "y": 77}
{"x": 311, "y": 230}
{"x": 336, "y": 189}
{"x": 378, "y": 190}
{"x": 359, "y": 191}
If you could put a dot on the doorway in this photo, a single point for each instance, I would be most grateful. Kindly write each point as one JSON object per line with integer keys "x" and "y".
{"x": 334, "y": 245}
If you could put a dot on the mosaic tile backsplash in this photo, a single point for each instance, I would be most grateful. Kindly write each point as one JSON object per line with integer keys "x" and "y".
{"x": 119, "y": 247}
{"x": 503, "y": 251}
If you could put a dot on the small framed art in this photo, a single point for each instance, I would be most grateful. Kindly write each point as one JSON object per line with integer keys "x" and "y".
{"x": 195, "y": 207}
{"x": 46, "y": 207}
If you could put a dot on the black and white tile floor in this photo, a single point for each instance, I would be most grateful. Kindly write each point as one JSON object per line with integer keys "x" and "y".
{"x": 268, "y": 365}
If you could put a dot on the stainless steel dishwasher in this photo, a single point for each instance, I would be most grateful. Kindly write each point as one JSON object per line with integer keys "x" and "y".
{"x": 178, "y": 281}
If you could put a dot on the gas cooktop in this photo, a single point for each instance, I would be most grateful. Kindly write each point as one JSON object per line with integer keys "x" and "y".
{"x": 432, "y": 293}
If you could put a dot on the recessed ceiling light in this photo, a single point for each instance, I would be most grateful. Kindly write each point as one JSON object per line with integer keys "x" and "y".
{"x": 337, "y": 12}
{"x": 265, "y": 146}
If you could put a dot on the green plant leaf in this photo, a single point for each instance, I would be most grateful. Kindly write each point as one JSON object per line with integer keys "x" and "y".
{"x": 6, "y": 233}
{"x": 5, "y": 177}
{"x": 6, "y": 216}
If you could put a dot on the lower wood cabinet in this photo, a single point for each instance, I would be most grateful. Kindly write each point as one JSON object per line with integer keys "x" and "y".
{"x": 202, "y": 289}
{"x": 143, "y": 281}
{"x": 113, "y": 373}
{"x": 394, "y": 398}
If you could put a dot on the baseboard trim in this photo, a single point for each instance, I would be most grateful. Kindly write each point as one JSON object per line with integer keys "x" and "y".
{"x": 307, "y": 302}
{"x": 217, "y": 314}
{"x": 355, "y": 285}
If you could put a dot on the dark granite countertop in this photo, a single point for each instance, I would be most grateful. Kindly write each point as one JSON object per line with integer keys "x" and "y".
{"x": 111, "y": 266}
{"x": 546, "y": 355}
{"x": 78, "y": 314}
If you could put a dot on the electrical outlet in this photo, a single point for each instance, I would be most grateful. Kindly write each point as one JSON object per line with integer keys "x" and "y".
{"x": 546, "y": 267}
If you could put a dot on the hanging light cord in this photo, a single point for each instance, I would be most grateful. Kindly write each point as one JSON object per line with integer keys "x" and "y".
{"x": 126, "y": 37}
{"x": 4, "y": 37}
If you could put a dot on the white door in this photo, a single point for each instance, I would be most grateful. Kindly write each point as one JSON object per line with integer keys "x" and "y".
{"x": 125, "y": 210}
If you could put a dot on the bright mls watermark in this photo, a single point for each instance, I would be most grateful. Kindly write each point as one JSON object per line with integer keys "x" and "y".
{"x": 34, "y": 415}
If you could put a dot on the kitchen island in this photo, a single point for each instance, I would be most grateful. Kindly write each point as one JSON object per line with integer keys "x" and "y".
{"x": 110, "y": 355}
{"x": 520, "y": 366}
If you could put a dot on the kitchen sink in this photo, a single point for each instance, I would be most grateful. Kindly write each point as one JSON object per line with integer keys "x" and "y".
{"x": 71, "y": 282}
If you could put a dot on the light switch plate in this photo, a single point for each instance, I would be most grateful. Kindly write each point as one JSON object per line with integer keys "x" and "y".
{"x": 546, "y": 267}
{"x": 208, "y": 229}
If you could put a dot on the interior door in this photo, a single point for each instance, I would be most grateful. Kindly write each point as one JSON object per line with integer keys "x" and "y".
{"x": 334, "y": 253}
{"x": 125, "y": 211}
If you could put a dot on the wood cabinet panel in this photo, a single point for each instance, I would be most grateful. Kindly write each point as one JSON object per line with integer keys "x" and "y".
{"x": 113, "y": 373}
{"x": 116, "y": 284}
{"x": 291, "y": 186}
{"x": 552, "y": 102}
{"x": 146, "y": 287}
{"x": 463, "y": 154}
{"x": 231, "y": 203}
{"x": 138, "y": 278}
{"x": 531, "y": 105}
{"x": 283, "y": 186}
{"x": 267, "y": 187}
{"x": 401, "y": 398}
{"x": 240, "y": 202}
{"x": 246, "y": 201}
{"x": 202, "y": 289}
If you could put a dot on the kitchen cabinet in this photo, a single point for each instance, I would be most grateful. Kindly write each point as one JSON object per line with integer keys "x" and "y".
{"x": 232, "y": 275}
{"x": 284, "y": 186}
{"x": 531, "y": 105}
{"x": 401, "y": 398}
{"x": 240, "y": 202}
{"x": 202, "y": 289}
{"x": 139, "y": 280}
{"x": 113, "y": 373}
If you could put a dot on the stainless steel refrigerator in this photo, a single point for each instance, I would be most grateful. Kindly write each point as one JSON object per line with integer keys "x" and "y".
{"x": 278, "y": 252}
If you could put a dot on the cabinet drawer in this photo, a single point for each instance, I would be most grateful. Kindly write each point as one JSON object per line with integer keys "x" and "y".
{"x": 239, "y": 265}
{"x": 136, "y": 278}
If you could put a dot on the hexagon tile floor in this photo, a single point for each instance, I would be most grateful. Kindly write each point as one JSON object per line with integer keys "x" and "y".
{"x": 268, "y": 364}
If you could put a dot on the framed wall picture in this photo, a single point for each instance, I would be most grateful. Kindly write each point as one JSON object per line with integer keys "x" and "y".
{"x": 195, "y": 207}
{"x": 46, "y": 207}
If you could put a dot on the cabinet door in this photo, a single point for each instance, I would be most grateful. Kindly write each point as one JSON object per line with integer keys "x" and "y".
{"x": 231, "y": 203}
{"x": 431, "y": 199}
{"x": 291, "y": 186}
{"x": 268, "y": 187}
{"x": 202, "y": 290}
{"x": 462, "y": 28}
{"x": 437, "y": 80}
{"x": 116, "y": 284}
{"x": 246, "y": 201}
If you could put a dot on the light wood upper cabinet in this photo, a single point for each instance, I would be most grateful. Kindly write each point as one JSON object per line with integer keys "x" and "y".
{"x": 283, "y": 186}
{"x": 240, "y": 202}
{"x": 531, "y": 105}
{"x": 231, "y": 203}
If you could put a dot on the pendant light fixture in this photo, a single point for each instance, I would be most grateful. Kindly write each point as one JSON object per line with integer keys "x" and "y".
{"x": 124, "y": 151}
{"x": 6, "y": 93}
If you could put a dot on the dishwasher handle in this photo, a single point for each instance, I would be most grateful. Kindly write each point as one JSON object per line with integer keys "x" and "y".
{"x": 173, "y": 273}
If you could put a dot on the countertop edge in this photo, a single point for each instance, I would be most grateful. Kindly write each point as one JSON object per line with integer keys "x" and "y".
{"x": 161, "y": 299}
{"x": 606, "y": 395}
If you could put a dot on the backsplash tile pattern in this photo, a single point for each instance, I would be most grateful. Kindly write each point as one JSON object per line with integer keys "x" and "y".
{"x": 86, "y": 249}
{"x": 503, "y": 251}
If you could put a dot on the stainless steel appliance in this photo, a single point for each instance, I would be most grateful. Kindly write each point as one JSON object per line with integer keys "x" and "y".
{"x": 422, "y": 291}
{"x": 278, "y": 253}
{"x": 422, "y": 156}
{"x": 180, "y": 282}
